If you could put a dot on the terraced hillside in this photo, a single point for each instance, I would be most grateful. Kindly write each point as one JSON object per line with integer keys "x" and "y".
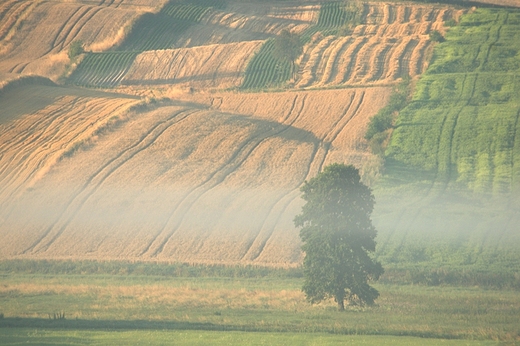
{"x": 391, "y": 43}
{"x": 170, "y": 182}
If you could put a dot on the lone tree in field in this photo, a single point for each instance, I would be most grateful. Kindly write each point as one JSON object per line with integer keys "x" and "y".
{"x": 287, "y": 47}
{"x": 338, "y": 238}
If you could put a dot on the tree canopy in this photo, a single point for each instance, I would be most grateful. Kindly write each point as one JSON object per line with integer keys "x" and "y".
{"x": 287, "y": 46}
{"x": 338, "y": 237}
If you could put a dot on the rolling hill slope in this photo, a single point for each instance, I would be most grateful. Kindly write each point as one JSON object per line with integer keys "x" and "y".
{"x": 452, "y": 162}
{"x": 211, "y": 174}
{"x": 35, "y": 35}
{"x": 173, "y": 182}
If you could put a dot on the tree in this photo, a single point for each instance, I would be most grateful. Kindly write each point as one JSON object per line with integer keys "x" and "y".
{"x": 287, "y": 47}
{"x": 338, "y": 238}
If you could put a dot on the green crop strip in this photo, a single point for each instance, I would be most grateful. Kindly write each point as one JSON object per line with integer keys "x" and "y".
{"x": 462, "y": 122}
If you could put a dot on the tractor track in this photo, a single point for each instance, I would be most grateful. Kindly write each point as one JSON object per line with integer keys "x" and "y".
{"x": 99, "y": 177}
{"x": 240, "y": 155}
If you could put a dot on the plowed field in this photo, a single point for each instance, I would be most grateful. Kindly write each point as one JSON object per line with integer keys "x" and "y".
{"x": 214, "y": 181}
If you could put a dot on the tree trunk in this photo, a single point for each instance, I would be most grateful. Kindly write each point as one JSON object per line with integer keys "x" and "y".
{"x": 341, "y": 304}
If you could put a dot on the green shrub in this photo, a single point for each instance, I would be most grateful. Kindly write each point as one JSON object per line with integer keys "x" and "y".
{"x": 75, "y": 49}
{"x": 436, "y": 36}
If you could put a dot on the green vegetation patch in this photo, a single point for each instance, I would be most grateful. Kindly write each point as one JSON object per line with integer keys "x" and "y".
{"x": 162, "y": 30}
{"x": 151, "y": 31}
{"x": 336, "y": 18}
{"x": 462, "y": 122}
{"x": 135, "y": 303}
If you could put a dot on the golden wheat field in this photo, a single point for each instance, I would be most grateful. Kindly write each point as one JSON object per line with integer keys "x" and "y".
{"x": 177, "y": 163}
{"x": 211, "y": 66}
{"x": 35, "y": 35}
{"x": 198, "y": 182}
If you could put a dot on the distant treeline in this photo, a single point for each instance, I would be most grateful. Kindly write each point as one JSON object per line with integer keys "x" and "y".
{"x": 424, "y": 276}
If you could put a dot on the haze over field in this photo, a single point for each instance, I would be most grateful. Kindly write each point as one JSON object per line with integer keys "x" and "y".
{"x": 164, "y": 142}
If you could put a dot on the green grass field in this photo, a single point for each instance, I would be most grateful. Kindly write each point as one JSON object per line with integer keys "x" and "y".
{"x": 27, "y": 336}
{"x": 462, "y": 123}
{"x": 449, "y": 196}
{"x": 102, "y": 306}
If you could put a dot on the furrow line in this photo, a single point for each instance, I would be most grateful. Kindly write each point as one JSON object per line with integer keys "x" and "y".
{"x": 351, "y": 56}
{"x": 513, "y": 146}
{"x": 331, "y": 69}
{"x": 32, "y": 158}
{"x": 310, "y": 69}
{"x": 217, "y": 177}
{"x": 13, "y": 13}
{"x": 98, "y": 177}
{"x": 46, "y": 155}
{"x": 248, "y": 255}
{"x": 289, "y": 198}
{"x": 404, "y": 60}
{"x": 379, "y": 62}
{"x": 453, "y": 130}
{"x": 29, "y": 136}
{"x": 61, "y": 28}
{"x": 78, "y": 26}
{"x": 338, "y": 127}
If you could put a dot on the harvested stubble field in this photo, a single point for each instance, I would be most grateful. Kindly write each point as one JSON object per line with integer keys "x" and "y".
{"x": 212, "y": 176}
{"x": 210, "y": 181}
{"x": 215, "y": 177}
{"x": 391, "y": 43}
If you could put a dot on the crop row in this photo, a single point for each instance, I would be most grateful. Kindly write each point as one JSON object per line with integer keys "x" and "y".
{"x": 102, "y": 69}
{"x": 185, "y": 12}
{"x": 463, "y": 119}
{"x": 154, "y": 31}
{"x": 162, "y": 30}
{"x": 334, "y": 15}
{"x": 264, "y": 70}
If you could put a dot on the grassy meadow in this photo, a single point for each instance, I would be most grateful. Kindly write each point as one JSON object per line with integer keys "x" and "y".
{"x": 104, "y": 308}
{"x": 449, "y": 194}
